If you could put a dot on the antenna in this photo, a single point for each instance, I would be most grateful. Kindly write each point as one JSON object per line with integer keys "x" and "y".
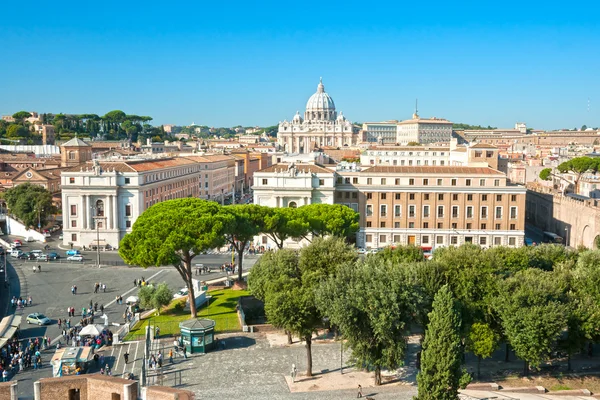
{"x": 416, "y": 106}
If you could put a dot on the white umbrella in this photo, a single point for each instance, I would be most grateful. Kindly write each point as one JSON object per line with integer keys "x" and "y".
{"x": 132, "y": 299}
{"x": 91, "y": 330}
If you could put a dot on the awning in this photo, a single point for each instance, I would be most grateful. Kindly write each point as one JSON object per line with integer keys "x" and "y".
{"x": 9, "y": 327}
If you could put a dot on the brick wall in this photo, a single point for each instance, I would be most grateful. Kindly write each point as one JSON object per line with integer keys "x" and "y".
{"x": 5, "y": 389}
{"x": 100, "y": 387}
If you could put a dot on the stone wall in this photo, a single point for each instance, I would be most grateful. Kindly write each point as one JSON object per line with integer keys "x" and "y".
{"x": 578, "y": 222}
{"x": 167, "y": 393}
{"x": 97, "y": 387}
{"x": 5, "y": 390}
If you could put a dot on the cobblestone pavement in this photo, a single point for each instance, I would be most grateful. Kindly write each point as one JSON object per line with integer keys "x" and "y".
{"x": 249, "y": 369}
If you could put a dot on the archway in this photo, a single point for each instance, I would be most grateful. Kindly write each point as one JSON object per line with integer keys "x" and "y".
{"x": 292, "y": 204}
{"x": 587, "y": 238}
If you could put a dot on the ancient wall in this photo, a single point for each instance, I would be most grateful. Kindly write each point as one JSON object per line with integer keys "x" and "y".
{"x": 5, "y": 390}
{"x": 578, "y": 222}
{"x": 167, "y": 393}
{"x": 97, "y": 387}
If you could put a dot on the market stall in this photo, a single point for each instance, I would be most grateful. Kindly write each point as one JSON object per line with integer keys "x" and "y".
{"x": 71, "y": 361}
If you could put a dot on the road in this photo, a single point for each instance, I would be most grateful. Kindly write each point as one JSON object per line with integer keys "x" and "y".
{"x": 51, "y": 294}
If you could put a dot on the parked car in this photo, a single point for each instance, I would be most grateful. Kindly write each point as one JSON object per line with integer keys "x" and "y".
{"x": 39, "y": 319}
{"x": 16, "y": 243}
{"x": 47, "y": 234}
{"x": 73, "y": 252}
{"x": 27, "y": 256}
{"x": 43, "y": 257}
{"x": 53, "y": 256}
{"x": 16, "y": 253}
{"x": 182, "y": 293}
{"x": 75, "y": 258}
{"x": 36, "y": 253}
{"x": 60, "y": 237}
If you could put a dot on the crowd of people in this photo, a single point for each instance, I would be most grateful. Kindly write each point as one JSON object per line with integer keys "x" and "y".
{"x": 20, "y": 303}
{"x": 18, "y": 356}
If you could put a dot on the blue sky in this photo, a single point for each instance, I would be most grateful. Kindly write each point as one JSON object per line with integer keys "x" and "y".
{"x": 256, "y": 63}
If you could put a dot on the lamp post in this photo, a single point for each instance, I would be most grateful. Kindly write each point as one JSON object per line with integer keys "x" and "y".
{"x": 95, "y": 211}
{"x": 566, "y": 236}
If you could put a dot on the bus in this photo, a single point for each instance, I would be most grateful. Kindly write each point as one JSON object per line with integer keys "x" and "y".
{"x": 550, "y": 237}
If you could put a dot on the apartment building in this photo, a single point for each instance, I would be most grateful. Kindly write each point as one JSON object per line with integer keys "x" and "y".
{"x": 104, "y": 198}
{"x": 424, "y": 130}
{"x": 434, "y": 206}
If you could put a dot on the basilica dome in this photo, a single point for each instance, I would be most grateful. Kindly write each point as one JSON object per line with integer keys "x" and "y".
{"x": 320, "y": 106}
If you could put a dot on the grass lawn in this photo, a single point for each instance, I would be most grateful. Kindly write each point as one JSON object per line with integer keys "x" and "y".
{"x": 222, "y": 310}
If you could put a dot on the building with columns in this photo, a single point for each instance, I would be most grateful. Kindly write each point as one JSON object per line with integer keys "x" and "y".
{"x": 321, "y": 126}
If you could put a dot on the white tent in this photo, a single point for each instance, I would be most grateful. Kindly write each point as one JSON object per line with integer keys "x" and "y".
{"x": 91, "y": 330}
{"x": 132, "y": 300}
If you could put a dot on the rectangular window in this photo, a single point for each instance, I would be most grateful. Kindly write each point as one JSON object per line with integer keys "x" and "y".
{"x": 498, "y": 212}
{"x": 425, "y": 225}
{"x": 73, "y": 237}
{"x": 382, "y": 238}
{"x": 441, "y": 197}
{"x": 426, "y": 196}
{"x": 346, "y": 180}
{"x": 383, "y": 196}
{"x": 468, "y": 182}
{"x": 440, "y": 225}
{"x": 483, "y": 227}
{"x": 368, "y": 238}
{"x": 425, "y": 182}
{"x": 71, "y": 180}
{"x": 73, "y": 223}
{"x": 397, "y": 196}
{"x": 383, "y": 209}
{"x": 396, "y": 238}
{"x": 439, "y": 239}
{"x": 369, "y": 181}
{"x": 512, "y": 241}
{"x": 498, "y": 197}
{"x": 469, "y": 225}
{"x": 484, "y": 212}
{"x": 73, "y": 210}
{"x": 513, "y": 227}
{"x": 369, "y": 210}
{"x": 440, "y": 211}
{"x": 411, "y": 225}
{"x": 128, "y": 223}
{"x": 355, "y": 180}
{"x": 454, "y": 211}
{"x": 482, "y": 182}
{"x": 454, "y": 225}
{"x": 484, "y": 197}
{"x": 383, "y": 180}
{"x": 439, "y": 182}
{"x": 496, "y": 182}
{"x": 469, "y": 197}
{"x": 354, "y": 195}
{"x": 469, "y": 212}
{"x": 453, "y": 239}
{"x": 455, "y": 197}
{"x": 513, "y": 197}
{"x": 368, "y": 224}
{"x": 425, "y": 240}
{"x": 321, "y": 182}
{"x": 347, "y": 195}
{"x": 411, "y": 211}
{"x": 453, "y": 182}
{"x": 497, "y": 227}
{"x": 369, "y": 196}
{"x": 264, "y": 182}
{"x": 397, "y": 210}
{"x": 482, "y": 240}
{"x": 497, "y": 241}
{"x": 128, "y": 210}
{"x": 397, "y": 182}
{"x": 513, "y": 213}
{"x": 411, "y": 181}
{"x": 338, "y": 180}
{"x": 382, "y": 224}
{"x": 396, "y": 224}
{"x": 425, "y": 211}
{"x": 411, "y": 196}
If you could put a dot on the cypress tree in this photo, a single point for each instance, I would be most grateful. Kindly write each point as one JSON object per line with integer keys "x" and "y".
{"x": 442, "y": 351}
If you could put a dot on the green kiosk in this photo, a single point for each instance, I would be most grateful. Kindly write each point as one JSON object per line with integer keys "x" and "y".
{"x": 198, "y": 335}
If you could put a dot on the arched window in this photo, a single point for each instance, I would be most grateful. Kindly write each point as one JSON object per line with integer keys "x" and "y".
{"x": 292, "y": 204}
{"x": 100, "y": 208}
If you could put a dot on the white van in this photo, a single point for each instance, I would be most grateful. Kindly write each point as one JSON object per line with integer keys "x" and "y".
{"x": 15, "y": 253}
{"x": 36, "y": 253}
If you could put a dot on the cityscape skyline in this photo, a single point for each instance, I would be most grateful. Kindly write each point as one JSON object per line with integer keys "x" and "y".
{"x": 244, "y": 65}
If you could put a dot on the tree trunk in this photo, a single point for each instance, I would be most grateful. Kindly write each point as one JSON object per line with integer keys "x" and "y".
{"x": 289, "y": 337}
{"x": 185, "y": 271}
{"x": 478, "y": 367}
{"x": 308, "y": 340}
{"x": 377, "y": 375}
{"x": 240, "y": 251}
{"x": 506, "y": 352}
{"x": 526, "y": 368}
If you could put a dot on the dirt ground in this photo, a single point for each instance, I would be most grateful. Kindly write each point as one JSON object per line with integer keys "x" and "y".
{"x": 552, "y": 383}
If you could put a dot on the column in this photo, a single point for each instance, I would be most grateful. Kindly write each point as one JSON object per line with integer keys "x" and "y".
{"x": 305, "y": 200}
{"x": 115, "y": 216}
{"x": 84, "y": 211}
{"x": 297, "y": 149}
{"x": 109, "y": 213}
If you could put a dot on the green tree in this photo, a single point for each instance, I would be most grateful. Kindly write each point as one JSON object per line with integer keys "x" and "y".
{"x": 442, "y": 351}
{"x": 376, "y": 334}
{"x": 17, "y": 131}
{"x": 400, "y": 254}
{"x": 482, "y": 341}
{"x": 413, "y": 144}
{"x": 281, "y": 224}
{"x": 171, "y": 233}
{"x": 579, "y": 166}
{"x": 247, "y": 222}
{"x": 583, "y": 127}
{"x": 546, "y": 174}
{"x": 162, "y": 297}
{"x": 32, "y": 204}
{"x": 287, "y": 282}
{"x": 145, "y": 295}
{"x": 533, "y": 309}
{"x": 330, "y": 219}
{"x": 21, "y": 116}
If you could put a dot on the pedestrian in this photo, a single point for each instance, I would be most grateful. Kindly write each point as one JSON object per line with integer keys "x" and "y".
{"x": 96, "y": 306}
{"x": 104, "y": 287}
{"x": 135, "y": 282}
{"x": 102, "y": 308}
{"x": 29, "y": 300}
{"x": 59, "y": 323}
{"x": 171, "y": 356}
{"x": 126, "y": 358}
{"x": 359, "y": 394}
{"x": 73, "y": 290}
{"x": 184, "y": 352}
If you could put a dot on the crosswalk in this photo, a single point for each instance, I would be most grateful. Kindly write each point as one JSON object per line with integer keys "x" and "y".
{"x": 114, "y": 357}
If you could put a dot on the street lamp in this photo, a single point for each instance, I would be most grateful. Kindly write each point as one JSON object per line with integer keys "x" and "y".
{"x": 566, "y": 236}
{"x": 96, "y": 217}
{"x": 39, "y": 211}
